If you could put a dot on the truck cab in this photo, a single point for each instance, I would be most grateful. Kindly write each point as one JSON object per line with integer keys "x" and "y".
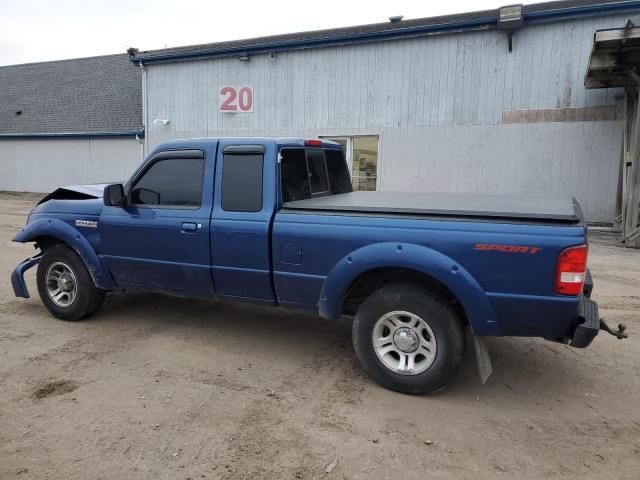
{"x": 198, "y": 220}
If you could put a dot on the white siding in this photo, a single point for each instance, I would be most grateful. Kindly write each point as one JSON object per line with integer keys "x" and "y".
{"x": 41, "y": 165}
{"x": 437, "y": 103}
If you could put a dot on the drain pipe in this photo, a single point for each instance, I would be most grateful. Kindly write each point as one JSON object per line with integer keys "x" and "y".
{"x": 132, "y": 51}
{"x": 141, "y": 142}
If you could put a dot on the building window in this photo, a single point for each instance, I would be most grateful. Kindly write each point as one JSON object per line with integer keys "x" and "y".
{"x": 362, "y": 158}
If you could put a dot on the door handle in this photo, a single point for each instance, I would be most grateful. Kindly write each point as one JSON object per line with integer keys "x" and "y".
{"x": 189, "y": 227}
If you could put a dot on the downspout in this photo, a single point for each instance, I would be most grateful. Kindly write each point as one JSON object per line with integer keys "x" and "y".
{"x": 145, "y": 146}
{"x": 141, "y": 142}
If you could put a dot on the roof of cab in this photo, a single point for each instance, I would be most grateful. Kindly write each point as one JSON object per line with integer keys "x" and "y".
{"x": 213, "y": 141}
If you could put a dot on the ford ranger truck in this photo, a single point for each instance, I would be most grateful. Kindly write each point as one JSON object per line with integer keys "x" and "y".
{"x": 275, "y": 221}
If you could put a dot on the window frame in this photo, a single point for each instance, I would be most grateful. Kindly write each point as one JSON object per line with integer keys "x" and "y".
{"x": 185, "y": 154}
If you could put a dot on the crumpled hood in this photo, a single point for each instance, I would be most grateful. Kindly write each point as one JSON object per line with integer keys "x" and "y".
{"x": 76, "y": 192}
{"x": 95, "y": 189}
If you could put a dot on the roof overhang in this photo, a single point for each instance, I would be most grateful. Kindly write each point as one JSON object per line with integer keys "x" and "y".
{"x": 329, "y": 41}
{"x": 615, "y": 57}
{"x": 26, "y": 136}
{"x": 532, "y": 14}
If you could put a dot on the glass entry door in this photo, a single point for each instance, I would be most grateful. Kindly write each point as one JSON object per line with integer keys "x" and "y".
{"x": 362, "y": 158}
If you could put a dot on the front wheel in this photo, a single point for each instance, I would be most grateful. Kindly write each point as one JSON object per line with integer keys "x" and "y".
{"x": 65, "y": 286}
{"x": 408, "y": 339}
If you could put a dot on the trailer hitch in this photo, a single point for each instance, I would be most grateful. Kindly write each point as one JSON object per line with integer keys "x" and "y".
{"x": 620, "y": 333}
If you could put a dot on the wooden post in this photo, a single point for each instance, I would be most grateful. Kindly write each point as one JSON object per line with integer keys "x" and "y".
{"x": 632, "y": 176}
{"x": 628, "y": 128}
{"x": 618, "y": 221}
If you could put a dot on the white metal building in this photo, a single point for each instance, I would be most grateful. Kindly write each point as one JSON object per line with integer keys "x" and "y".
{"x": 433, "y": 104}
{"x": 69, "y": 122}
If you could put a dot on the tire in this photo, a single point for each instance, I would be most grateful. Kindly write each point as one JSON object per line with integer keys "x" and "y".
{"x": 78, "y": 297}
{"x": 436, "y": 344}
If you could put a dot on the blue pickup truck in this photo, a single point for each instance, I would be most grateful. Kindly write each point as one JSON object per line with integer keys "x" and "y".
{"x": 275, "y": 221}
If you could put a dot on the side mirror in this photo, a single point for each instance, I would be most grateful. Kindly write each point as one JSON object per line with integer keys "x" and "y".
{"x": 114, "y": 195}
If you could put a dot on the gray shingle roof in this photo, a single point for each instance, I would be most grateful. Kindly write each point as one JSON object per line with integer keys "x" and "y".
{"x": 85, "y": 95}
{"x": 534, "y": 13}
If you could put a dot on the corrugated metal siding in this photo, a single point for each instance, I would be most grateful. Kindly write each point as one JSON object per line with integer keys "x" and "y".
{"x": 42, "y": 165}
{"x": 436, "y": 102}
{"x": 540, "y": 158}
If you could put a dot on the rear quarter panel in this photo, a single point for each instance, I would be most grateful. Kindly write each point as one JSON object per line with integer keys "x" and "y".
{"x": 518, "y": 285}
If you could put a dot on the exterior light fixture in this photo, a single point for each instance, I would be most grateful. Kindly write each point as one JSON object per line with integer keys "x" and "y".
{"x": 243, "y": 57}
{"x": 163, "y": 121}
{"x": 510, "y": 18}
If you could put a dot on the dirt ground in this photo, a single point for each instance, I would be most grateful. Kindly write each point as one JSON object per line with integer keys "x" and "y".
{"x": 161, "y": 387}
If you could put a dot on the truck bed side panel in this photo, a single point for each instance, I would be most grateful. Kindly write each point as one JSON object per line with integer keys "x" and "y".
{"x": 519, "y": 282}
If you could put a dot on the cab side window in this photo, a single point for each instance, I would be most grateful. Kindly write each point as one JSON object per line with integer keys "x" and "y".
{"x": 242, "y": 182}
{"x": 171, "y": 182}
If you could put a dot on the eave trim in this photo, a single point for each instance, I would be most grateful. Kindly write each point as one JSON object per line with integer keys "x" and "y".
{"x": 138, "y": 133}
{"x": 530, "y": 18}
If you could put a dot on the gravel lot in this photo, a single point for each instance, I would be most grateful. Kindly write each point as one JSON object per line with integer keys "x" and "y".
{"x": 161, "y": 387}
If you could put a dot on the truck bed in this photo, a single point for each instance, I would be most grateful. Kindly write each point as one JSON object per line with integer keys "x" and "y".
{"x": 516, "y": 207}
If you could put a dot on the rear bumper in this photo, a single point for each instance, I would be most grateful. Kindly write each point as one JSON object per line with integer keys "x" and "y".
{"x": 588, "y": 284}
{"x": 589, "y": 323}
{"x": 588, "y": 317}
{"x": 17, "y": 277}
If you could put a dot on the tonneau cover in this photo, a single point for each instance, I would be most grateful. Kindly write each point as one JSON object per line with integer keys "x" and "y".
{"x": 453, "y": 204}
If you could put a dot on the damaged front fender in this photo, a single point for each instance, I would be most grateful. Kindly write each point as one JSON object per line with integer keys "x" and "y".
{"x": 17, "y": 277}
{"x": 57, "y": 228}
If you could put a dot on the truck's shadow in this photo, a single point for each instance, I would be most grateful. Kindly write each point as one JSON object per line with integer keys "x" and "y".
{"x": 521, "y": 366}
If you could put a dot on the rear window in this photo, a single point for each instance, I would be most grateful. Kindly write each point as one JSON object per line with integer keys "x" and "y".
{"x": 339, "y": 179}
{"x": 305, "y": 173}
{"x": 242, "y": 182}
{"x": 317, "y": 172}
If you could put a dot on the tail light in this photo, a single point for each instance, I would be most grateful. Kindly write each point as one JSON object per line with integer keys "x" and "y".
{"x": 313, "y": 142}
{"x": 571, "y": 270}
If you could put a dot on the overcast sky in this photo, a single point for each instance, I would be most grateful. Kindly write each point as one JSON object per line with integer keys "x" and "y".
{"x": 40, "y": 30}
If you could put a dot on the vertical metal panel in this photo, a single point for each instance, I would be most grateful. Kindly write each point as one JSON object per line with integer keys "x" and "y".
{"x": 437, "y": 103}
{"x": 522, "y": 160}
{"x": 37, "y": 165}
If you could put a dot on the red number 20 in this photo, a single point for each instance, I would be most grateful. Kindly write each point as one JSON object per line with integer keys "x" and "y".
{"x": 234, "y": 100}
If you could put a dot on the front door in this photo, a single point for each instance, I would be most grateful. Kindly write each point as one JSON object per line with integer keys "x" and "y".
{"x": 160, "y": 239}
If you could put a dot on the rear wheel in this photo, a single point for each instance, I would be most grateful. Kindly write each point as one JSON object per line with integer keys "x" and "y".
{"x": 65, "y": 286}
{"x": 408, "y": 339}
